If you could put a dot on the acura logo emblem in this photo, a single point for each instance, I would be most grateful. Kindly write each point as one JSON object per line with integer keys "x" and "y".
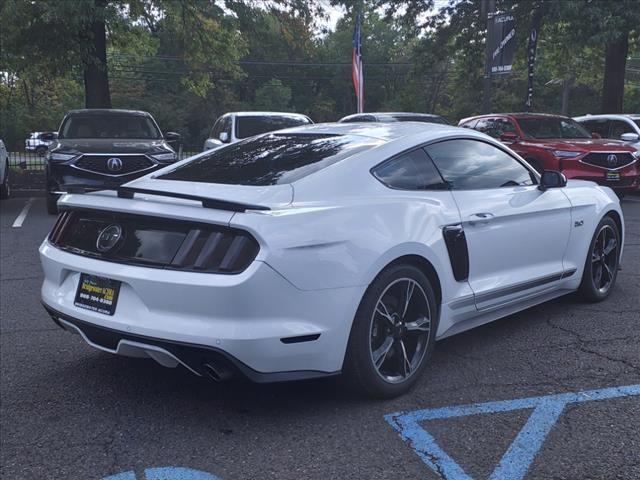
{"x": 114, "y": 164}
{"x": 612, "y": 160}
{"x": 108, "y": 238}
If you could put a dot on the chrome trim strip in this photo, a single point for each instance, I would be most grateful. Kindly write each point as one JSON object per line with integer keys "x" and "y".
{"x": 510, "y": 290}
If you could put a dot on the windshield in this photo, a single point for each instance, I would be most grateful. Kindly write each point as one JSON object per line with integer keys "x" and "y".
{"x": 250, "y": 126}
{"x": 271, "y": 159}
{"x": 109, "y": 125}
{"x": 552, "y": 127}
{"x": 637, "y": 122}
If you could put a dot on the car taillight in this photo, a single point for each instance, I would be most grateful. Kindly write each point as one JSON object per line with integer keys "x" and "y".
{"x": 155, "y": 242}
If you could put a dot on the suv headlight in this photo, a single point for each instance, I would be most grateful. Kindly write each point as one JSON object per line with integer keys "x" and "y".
{"x": 565, "y": 153}
{"x": 60, "y": 157}
{"x": 165, "y": 157}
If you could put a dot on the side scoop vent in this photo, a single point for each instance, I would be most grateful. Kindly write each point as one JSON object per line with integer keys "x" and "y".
{"x": 154, "y": 242}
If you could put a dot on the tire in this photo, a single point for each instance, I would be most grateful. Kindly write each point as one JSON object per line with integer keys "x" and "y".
{"x": 384, "y": 335}
{"x": 52, "y": 203}
{"x": 536, "y": 165}
{"x": 601, "y": 268}
{"x": 5, "y": 189}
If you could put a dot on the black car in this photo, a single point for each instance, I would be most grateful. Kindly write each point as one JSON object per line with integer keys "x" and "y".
{"x": 104, "y": 148}
{"x": 394, "y": 117}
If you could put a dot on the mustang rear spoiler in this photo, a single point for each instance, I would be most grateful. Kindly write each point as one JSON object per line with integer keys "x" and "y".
{"x": 129, "y": 192}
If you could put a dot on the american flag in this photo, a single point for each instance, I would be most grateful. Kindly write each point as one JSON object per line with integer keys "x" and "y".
{"x": 356, "y": 66}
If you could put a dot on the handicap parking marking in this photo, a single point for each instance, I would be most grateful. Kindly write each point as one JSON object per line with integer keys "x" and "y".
{"x": 165, "y": 473}
{"x": 517, "y": 459}
{"x": 17, "y": 223}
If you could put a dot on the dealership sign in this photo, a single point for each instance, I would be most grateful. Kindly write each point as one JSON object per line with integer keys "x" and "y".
{"x": 502, "y": 43}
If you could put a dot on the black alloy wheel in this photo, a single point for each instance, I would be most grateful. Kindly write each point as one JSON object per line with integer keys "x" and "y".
{"x": 393, "y": 333}
{"x": 601, "y": 266}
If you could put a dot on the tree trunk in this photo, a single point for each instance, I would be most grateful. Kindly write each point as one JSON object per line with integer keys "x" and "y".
{"x": 96, "y": 79}
{"x": 614, "y": 69}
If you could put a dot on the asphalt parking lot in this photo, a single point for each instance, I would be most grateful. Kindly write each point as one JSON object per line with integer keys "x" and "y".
{"x": 71, "y": 412}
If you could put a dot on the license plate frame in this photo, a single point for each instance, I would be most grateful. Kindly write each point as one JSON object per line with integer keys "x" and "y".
{"x": 98, "y": 294}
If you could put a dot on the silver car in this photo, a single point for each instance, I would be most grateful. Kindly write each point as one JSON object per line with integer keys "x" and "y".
{"x": 234, "y": 126}
{"x": 617, "y": 127}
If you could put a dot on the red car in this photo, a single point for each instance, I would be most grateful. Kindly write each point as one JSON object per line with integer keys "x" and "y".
{"x": 553, "y": 142}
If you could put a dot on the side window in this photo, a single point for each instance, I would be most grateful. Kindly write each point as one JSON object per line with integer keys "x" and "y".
{"x": 503, "y": 125}
{"x": 618, "y": 127}
{"x": 469, "y": 124}
{"x": 473, "y": 165}
{"x": 488, "y": 126}
{"x": 410, "y": 171}
{"x": 601, "y": 127}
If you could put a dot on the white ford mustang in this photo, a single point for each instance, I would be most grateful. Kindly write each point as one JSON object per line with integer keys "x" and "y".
{"x": 313, "y": 251}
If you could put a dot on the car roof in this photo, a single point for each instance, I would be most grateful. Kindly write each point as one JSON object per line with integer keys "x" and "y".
{"x": 391, "y": 114}
{"x": 267, "y": 114}
{"x": 380, "y": 131}
{"x": 609, "y": 116}
{"x": 102, "y": 111}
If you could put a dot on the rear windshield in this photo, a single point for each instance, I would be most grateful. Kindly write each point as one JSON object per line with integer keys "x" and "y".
{"x": 109, "y": 125}
{"x": 249, "y": 126}
{"x": 414, "y": 118}
{"x": 552, "y": 128}
{"x": 271, "y": 159}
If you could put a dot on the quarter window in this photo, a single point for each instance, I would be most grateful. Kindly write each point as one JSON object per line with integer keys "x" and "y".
{"x": 410, "y": 171}
{"x": 473, "y": 165}
{"x": 618, "y": 127}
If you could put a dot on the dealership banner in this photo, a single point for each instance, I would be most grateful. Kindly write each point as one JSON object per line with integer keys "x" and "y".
{"x": 502, "y": 34}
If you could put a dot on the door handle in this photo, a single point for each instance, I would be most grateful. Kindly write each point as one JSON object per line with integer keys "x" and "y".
{"x": 481, "y": 218}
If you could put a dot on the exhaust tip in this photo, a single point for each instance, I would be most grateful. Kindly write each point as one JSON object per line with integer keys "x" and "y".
{"x": 217, "y": 373}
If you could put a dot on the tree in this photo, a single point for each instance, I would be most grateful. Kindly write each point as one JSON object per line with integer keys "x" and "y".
{"x": 273, "y": 96}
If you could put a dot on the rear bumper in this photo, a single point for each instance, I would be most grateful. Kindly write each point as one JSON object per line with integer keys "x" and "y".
{"x": 196, "y": 358}
{"x": 255, "y": 318}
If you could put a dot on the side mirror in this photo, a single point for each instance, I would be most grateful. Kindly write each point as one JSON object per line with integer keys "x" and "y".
{"x": 630, "y": 137}
{"x": 595, "y": 135}
{"x": 509, "y": 137}
{"x": 224, "y": 137}
{"x": 552, "y": 179}
{"x": 172, "y": 136}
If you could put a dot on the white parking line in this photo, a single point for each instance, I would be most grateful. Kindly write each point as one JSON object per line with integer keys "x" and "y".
{"x": 631, "y": 199}
{"x": 17, "y": 223}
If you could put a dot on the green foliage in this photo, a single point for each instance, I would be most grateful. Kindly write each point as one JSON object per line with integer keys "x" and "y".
{"x": 188, "y": 61}
{"x": 273, "y": 96}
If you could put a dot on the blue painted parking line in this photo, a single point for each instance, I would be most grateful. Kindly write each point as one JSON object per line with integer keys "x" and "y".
{"x": 166, "y": 473}
{"x": 518, "y": 457}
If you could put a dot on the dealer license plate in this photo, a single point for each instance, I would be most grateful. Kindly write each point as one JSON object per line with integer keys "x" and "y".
{"x": 612, "y": 176}
{"x": 98, "y": 294}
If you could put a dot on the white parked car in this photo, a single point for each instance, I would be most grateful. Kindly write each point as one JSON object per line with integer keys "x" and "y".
{"x": 4, "y": 171}
{"x": 234, "y": 126}
{"x": 39, "y": 142}
{"x": 617, "y": 127}
{"x": 326, "y": 249}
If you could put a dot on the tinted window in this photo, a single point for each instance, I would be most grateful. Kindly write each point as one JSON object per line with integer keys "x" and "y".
{"x": 215, "y": 131}
{"x": 358, "y": 118}
{"x": 601, "y": 127}
{"x": 109, "y": 125}
{"x": 473, "y": 165}
{"x": 552, "y": 127}
{"x": 414, "y": 118}
{"x": 485, "y": 125}
{"x": 469, "y": 124}
{"x": 250, "y": 126}
{"x": 225, "y": 127}
{"x": 503, "y": 125}
{"x": 411, "y": 171}
{"x": 618, "y": 127}
{"x": 271, "y": 159}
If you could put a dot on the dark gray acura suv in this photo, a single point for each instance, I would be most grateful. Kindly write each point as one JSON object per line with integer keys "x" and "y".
{"x": 104, "y": 148}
